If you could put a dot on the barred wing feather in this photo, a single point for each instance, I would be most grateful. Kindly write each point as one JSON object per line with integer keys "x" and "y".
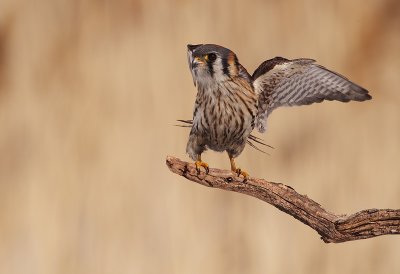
{"x": 282, "y": 82}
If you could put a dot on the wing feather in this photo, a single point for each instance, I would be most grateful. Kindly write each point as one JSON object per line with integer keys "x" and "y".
{"x": 282, "y": 82}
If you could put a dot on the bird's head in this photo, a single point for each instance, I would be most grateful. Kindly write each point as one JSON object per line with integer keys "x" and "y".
{"x": 211, "y": 64}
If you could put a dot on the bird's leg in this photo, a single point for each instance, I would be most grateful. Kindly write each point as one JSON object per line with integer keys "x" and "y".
{"x": 199, "y": 163}
{"x": 238, "y": 171}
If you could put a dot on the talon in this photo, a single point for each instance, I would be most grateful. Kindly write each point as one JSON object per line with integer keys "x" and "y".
{"x": 238, "y": 171}
{"x": 243, "y": 173}
{"x": 199, "y": 164}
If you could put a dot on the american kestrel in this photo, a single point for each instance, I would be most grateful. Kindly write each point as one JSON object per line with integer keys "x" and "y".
{"x": 230, "y": 102}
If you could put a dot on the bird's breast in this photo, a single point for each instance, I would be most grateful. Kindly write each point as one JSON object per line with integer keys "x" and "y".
{"x": 224, "y": 116}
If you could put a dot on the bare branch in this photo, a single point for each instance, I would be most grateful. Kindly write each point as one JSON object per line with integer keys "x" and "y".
{"x": 333, "y": 228}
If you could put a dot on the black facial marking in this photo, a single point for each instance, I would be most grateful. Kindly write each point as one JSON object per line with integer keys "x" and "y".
{"x": 236, "y": 61}
{"x": 210, "y": 68}
{"x": 225, "y": 67}
{"x": 211, "y": 57}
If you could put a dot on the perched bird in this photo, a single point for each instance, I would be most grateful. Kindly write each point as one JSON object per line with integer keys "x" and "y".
{"x": 230, "y": 102}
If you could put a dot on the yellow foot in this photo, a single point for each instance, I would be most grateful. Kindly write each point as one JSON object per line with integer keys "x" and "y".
{"x": 201, "y": 164}
{"x": 239, "y": 172}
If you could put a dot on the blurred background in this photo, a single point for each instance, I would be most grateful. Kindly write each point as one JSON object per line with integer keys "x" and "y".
{"x": 89, "y": 94}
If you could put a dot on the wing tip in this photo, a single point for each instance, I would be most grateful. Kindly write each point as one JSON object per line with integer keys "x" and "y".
{"x": 359, "y": 93}
{"x": 367, "y": 97}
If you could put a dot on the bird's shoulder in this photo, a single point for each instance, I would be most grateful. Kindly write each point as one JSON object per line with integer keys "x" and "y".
{"x": 281, "y": 65}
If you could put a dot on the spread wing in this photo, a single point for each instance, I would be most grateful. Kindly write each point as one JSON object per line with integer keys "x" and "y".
{"x": 282, "y": 82}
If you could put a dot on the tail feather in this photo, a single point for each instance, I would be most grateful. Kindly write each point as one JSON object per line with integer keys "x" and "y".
{"x": 250, "y": 140}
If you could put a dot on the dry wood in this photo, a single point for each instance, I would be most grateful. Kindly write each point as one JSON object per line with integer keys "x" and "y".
{"x": 333, "y": 228}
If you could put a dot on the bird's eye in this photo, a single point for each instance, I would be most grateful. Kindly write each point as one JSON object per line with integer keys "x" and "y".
{"x": 211, "y": 57}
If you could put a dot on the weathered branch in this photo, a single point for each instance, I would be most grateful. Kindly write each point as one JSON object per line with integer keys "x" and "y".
{"x": 332, "y": 228}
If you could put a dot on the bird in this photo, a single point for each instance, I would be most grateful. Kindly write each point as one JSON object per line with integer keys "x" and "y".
{"x": 230, "y": 102}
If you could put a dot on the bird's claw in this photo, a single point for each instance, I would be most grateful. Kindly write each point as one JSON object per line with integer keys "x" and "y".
{"x": 239, "y": 172}
{"x": 199, "y": 164}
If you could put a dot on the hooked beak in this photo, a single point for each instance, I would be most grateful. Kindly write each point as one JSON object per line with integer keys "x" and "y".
{"x": 193, "y": 62}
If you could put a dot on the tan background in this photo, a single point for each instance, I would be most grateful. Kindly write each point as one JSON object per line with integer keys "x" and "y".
{"x": 89, "y": 91}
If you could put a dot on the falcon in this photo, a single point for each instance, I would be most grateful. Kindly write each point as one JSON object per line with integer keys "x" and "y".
{"x": 230, "y": 102}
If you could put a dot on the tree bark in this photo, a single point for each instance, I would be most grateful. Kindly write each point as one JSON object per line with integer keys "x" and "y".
{"x": 333, "y": 228}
